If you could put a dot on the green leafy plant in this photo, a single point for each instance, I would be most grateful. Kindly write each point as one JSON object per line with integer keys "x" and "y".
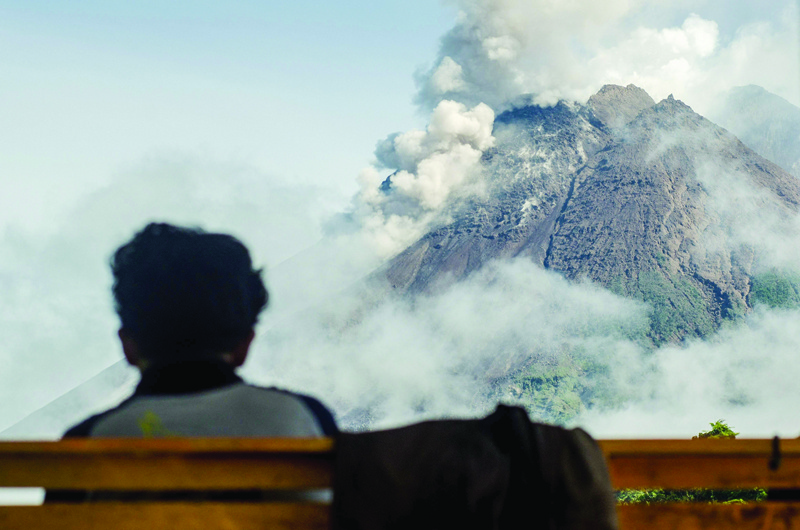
{"x": 719, "y": 429}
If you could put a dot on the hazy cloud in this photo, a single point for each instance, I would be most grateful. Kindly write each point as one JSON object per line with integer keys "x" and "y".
{"x": 56, "y": 320}
{"x": 447, "y": 77}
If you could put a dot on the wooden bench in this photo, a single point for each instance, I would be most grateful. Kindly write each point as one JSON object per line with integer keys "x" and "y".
{"x": 306, "y": 464}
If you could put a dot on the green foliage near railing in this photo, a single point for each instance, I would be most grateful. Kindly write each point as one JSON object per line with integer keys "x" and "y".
{"x": 719, "y": 429}
{"x": 698, "y": 495}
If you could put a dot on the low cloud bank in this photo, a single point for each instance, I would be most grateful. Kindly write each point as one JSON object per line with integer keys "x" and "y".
{"x": 746, "y": 375}
{"x": 457, "y": 353}
{"x": 451, "y": 353}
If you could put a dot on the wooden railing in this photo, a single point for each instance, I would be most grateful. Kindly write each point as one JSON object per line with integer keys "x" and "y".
{"x": 306, "y": 464}
{"x": 713, "y": 464}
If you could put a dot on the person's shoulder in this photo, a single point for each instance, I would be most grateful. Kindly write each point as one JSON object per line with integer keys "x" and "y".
{"x": 84, "y": 428}
{"x": 321, "y": 413}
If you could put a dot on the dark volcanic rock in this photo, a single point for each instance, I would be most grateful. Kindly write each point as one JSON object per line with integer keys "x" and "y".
{"x": 630, "y": 206}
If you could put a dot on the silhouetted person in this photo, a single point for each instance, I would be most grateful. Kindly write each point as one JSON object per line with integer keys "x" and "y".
{"x": 188, "y": 301}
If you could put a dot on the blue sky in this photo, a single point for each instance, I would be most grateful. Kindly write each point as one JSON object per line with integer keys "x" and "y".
{"x": 302, "y": 90}
{"x": 256, "y": 118}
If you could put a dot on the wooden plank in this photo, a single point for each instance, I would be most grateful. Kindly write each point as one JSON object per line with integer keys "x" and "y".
{"x": 684, "y": 472}
{"x": 164, "y": 472}
{"x": 219, "y": 463}
{"x": 169, "y": 445}
{"x": 697, "y": 516}
{"x": 721, "y": 464}
{"x": 752, "y": 447}
{"x": 186, "y": 516}
{"x": 162, "y": 464}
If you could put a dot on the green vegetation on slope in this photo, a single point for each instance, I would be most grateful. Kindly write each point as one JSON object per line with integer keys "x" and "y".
{"x": 551, "y": 391}
{"x": 557, "y": 389}
{"x": 776, "y": 289}
{"x": 679, "y": 309}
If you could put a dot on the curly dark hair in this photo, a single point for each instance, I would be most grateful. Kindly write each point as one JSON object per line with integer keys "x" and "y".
{"x": 184, "y": 292}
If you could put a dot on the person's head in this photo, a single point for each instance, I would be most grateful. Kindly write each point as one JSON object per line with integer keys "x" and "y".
{"x": 183, "y": 293}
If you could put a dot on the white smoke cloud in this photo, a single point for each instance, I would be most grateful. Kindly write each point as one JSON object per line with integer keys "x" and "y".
{"x": 448, "y": 77}
{"x": 431, "y": 167}
{"x": 693, "y": 63}
{"x": 661, "y": 61}
{"x": 502, "y": 49}
{"x": 507, "y": 48}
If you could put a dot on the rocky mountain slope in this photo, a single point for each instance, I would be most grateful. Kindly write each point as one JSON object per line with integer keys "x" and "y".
{"x": 623, "y": 191}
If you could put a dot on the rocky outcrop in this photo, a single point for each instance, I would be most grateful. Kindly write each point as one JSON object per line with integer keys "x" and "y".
{"x": 617, "y": 106}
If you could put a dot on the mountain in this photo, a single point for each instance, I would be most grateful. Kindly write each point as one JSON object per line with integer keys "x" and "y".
{"x": 765, "y": 122}
{"x": 622, "y": 191}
